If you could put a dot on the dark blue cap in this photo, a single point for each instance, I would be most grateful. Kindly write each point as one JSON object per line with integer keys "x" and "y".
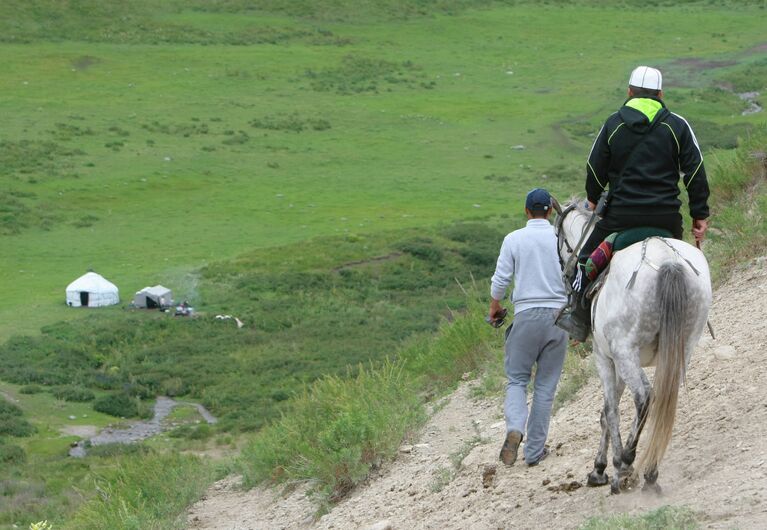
{"x": 538, "y": 200}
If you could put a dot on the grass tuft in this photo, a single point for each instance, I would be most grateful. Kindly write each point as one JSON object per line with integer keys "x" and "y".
{"x": 136, "y": 496}
{"x": 739, "y": 210}
{"x": 665, "y": 518}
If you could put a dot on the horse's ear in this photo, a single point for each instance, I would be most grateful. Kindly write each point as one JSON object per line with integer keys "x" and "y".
{"x": 555, "y": 204}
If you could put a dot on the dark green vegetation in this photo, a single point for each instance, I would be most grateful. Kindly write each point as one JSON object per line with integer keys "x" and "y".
{"x": 338, "y": 430}
{"x": 337, "y": 302}
{"x": 12, "y": 423}
{"x": 301, "y": 166}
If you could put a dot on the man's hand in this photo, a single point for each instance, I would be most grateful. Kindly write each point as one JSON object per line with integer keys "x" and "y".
{"x": 699, "y": 227}
{"x": 495, "y": 309}
{"x": 590, "y": 205}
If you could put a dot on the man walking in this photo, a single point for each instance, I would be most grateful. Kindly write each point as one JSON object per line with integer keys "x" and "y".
{"x": 639, "y": 155}
{"x": 529, "y": 257}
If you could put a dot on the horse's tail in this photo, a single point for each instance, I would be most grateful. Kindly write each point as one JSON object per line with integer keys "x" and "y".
{"x": 670, "y": 365}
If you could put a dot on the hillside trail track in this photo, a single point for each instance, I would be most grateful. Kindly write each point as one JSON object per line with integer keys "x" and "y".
{"x": 716, "y": 464}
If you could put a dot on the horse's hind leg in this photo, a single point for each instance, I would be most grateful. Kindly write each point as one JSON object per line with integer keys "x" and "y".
{"x": 651, "y": 480}
{"x": 639, "y": 385}
{"x": 613, "y": 389}
{"x": 598, "y": 477}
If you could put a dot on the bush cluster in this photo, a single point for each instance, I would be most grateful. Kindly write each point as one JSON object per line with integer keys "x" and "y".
{"x": 119, "y": 405}
{"x": 290, "y": 122}
{"x": 12, "y": 423}
{"x": 358, "y": 74}
{"x": 11, "y": 454}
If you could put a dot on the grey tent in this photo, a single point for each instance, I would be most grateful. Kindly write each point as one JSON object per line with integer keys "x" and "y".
{"x": 153, "y": 297}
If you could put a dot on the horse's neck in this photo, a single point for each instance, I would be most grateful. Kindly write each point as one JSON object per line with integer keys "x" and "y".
{"x": 576, "y": 227}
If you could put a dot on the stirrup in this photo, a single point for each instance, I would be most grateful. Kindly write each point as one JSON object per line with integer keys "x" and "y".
{"x": 578, "y": 329}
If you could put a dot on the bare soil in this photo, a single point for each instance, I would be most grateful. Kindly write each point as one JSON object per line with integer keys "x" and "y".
{"x": 83, "y": 431}
{"x": 451, "y": 477}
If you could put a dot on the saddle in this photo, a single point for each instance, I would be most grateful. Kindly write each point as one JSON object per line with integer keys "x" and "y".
{"x": 598, "y": 265}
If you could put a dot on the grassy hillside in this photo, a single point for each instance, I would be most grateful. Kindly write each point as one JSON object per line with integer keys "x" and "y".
{"x": 145, "y": 159}
{"x": 323, "y": 171}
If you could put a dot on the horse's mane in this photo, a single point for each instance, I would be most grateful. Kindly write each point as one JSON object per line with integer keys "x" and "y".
{"x": 579, "y": 204}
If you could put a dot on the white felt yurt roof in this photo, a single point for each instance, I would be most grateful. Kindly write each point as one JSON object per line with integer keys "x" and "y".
{"x": 100, "y": 290}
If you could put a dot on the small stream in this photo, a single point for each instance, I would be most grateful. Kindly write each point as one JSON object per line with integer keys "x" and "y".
{"x": 141, "y": 430}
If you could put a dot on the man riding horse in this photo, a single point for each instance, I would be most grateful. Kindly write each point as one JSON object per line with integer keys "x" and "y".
{"x": 639, "y": 155}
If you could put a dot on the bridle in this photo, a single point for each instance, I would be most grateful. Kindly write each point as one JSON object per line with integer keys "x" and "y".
{"x": 561, "y": 237}
{"x": 568, "y": 267}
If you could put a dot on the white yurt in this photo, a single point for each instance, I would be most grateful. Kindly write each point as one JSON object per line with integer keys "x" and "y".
{"x": 92, "y": 290}
{"x": 156, "y": 297}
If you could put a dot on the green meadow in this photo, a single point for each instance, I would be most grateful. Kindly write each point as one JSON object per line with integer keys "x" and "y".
{"x": 337, "y": 175}
{"x": 145, "y": 159}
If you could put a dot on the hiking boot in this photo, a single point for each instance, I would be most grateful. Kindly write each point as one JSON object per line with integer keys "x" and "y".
{"x": 545, "y": 453}
{"x": 510, "y": 447}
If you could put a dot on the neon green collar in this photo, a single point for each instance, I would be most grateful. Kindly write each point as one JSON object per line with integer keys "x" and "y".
{"x": 648, "y": 107}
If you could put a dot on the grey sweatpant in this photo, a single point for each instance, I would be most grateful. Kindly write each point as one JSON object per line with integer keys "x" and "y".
{"x": 533, "y": 339}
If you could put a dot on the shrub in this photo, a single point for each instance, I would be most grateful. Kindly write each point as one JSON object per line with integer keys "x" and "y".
{"x": 11, "y": 421}
{"x": 192, "y": 432}
{"x": 11, "y": 454}
{"x": 31, "y": 389}
{"x": 174, "y": 386}
{"x": 711, "y": 134}
{"x": 422, "y": 248}
{"x": 480, "y": 257}
{"x": 119, "y": 405}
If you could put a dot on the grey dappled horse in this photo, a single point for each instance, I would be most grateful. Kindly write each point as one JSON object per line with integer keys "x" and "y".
{"x": 656, "y": 319}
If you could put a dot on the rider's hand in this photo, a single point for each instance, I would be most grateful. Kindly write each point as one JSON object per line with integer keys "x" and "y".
{"x": 590, "y": 205}
{"x": 699, "y": 227}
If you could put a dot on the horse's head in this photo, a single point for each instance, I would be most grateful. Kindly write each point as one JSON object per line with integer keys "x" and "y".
{"x": 569, "y": 225}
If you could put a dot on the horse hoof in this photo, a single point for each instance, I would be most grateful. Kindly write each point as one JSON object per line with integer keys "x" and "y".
{"x": 626, "y": 471}
{"x": 595, "y": 479}
{"x": 652, "y": 487}
{"x": 628, "y": 482}
{"x": 615, "y": 488}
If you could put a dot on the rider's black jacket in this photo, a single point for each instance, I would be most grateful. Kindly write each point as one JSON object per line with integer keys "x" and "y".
{"x": 650, "y": 182}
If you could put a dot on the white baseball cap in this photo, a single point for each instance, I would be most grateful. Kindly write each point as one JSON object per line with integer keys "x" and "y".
{"x": 646, "y": 77}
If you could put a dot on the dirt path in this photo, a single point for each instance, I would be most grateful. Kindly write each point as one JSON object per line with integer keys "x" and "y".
{"x": 135, "y": 431}
{"x": 716, "y": 465}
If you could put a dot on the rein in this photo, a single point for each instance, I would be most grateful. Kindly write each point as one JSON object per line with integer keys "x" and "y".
{"x": 562, "y": 239}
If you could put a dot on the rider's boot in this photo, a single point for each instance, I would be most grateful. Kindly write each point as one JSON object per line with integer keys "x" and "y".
{"x": 575, "y": 318}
